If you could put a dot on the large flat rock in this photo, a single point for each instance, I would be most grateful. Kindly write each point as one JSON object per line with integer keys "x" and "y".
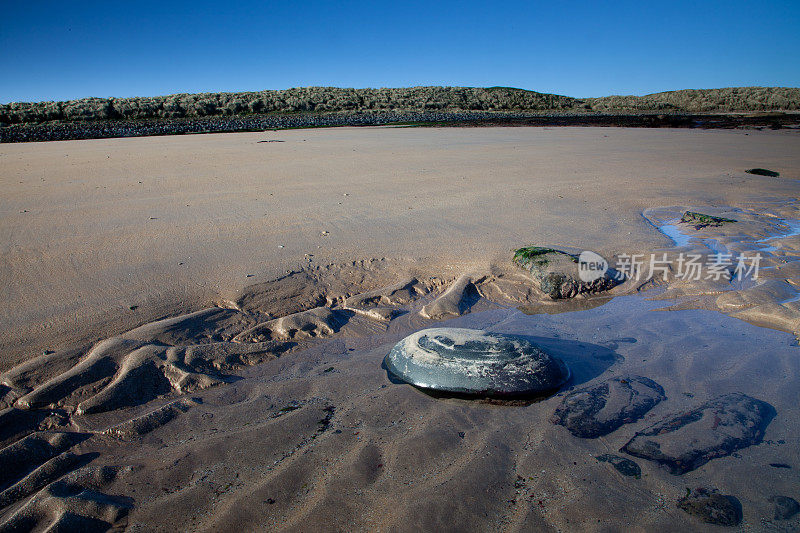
{"x": 598, "y": 410}
{"x": 685, "y": 441}
{"x": 712, "y": 507}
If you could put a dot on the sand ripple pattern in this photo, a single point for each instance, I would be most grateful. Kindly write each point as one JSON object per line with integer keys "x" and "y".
{"x": 171, "y": 358}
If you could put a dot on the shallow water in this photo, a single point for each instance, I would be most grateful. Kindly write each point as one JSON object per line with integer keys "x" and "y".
{"x": 795, "y": 298}
{"x": 792, "y": 229}
{"x": 763, "y": 230}
{"x": 673, "y": 231}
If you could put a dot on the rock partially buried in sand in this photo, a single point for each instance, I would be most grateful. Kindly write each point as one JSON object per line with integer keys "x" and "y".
{"x": 624, "y": 466}
{"x": 711, "y": 507}
{"x": 685, "y": 441}
{"x": 556, "y": 272}
{"x": 785, "y": 507}
{"x": 474, "y": 362}
{"x": 596, "y": 411}
{"x": 763, "y": 172}
{"x": 701, "y": 220}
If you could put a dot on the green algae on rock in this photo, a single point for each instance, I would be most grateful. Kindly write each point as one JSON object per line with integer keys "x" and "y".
{"x": 537, "y": 255}
{"x": 701, "y": 220}
{"x": 556, "y": 272}
{"x": 475, "y": 362}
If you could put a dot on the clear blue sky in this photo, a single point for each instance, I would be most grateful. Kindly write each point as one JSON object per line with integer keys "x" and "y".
{"x": 63, "y": 50}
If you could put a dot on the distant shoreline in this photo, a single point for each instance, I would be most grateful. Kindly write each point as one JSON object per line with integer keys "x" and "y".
{"x": 102, "y": 129}
{"x": 309, "y": 107}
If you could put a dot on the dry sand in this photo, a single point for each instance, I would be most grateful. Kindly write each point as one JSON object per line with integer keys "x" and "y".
{"x": 301, "y": 262}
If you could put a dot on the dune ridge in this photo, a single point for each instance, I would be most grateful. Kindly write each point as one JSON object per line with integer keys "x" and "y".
{"x": 334, "y": 99}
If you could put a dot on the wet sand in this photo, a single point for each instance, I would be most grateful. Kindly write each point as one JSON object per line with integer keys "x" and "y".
{"x": 354, "y": 238}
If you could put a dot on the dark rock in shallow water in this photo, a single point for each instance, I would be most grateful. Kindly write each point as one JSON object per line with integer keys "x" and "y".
{"x": 470, "y": 361}
{"x": 624, "y": 466}
{"x": 700, "y": 220}
{"x": 596, "y": 411}
{"x": 688, "y": 440}
{"x": 763, "y": 172}
{"x": 785, "y": 507}
{"x": 556, "y": 272}
{"x": 712, "y": 507}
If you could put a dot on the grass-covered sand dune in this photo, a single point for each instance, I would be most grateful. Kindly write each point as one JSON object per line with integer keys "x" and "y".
{"x": 411, "y": 99}
{"x": 300, "y": 100}
{"x": 705, "y": 100}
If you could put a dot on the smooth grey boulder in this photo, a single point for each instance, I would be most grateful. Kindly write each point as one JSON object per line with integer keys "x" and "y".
{"x": 475, "y": 362}
{"x": 685, "y": 441}
{"x": 594, "y": 411}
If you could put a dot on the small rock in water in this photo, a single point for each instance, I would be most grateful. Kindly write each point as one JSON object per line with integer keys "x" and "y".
{"x": 475, "y": 362}
{"x": 685, "y": 441}
{"x": 596, "y": 411}
{"x": 556, "y": 272}
{"x": 700, "y": 220}
{"x": 712, "y": 507}
{"x": 763, "y": 172}
{"x": 780, "y": 465}
{"x": 785, "y": 507}
{"x": 624, "y": 466}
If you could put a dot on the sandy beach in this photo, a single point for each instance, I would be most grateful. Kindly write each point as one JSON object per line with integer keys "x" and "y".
{"x": 197, "y": 324}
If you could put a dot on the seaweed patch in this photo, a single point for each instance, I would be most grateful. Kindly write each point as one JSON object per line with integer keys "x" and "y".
{"x": 701, "y": 220}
